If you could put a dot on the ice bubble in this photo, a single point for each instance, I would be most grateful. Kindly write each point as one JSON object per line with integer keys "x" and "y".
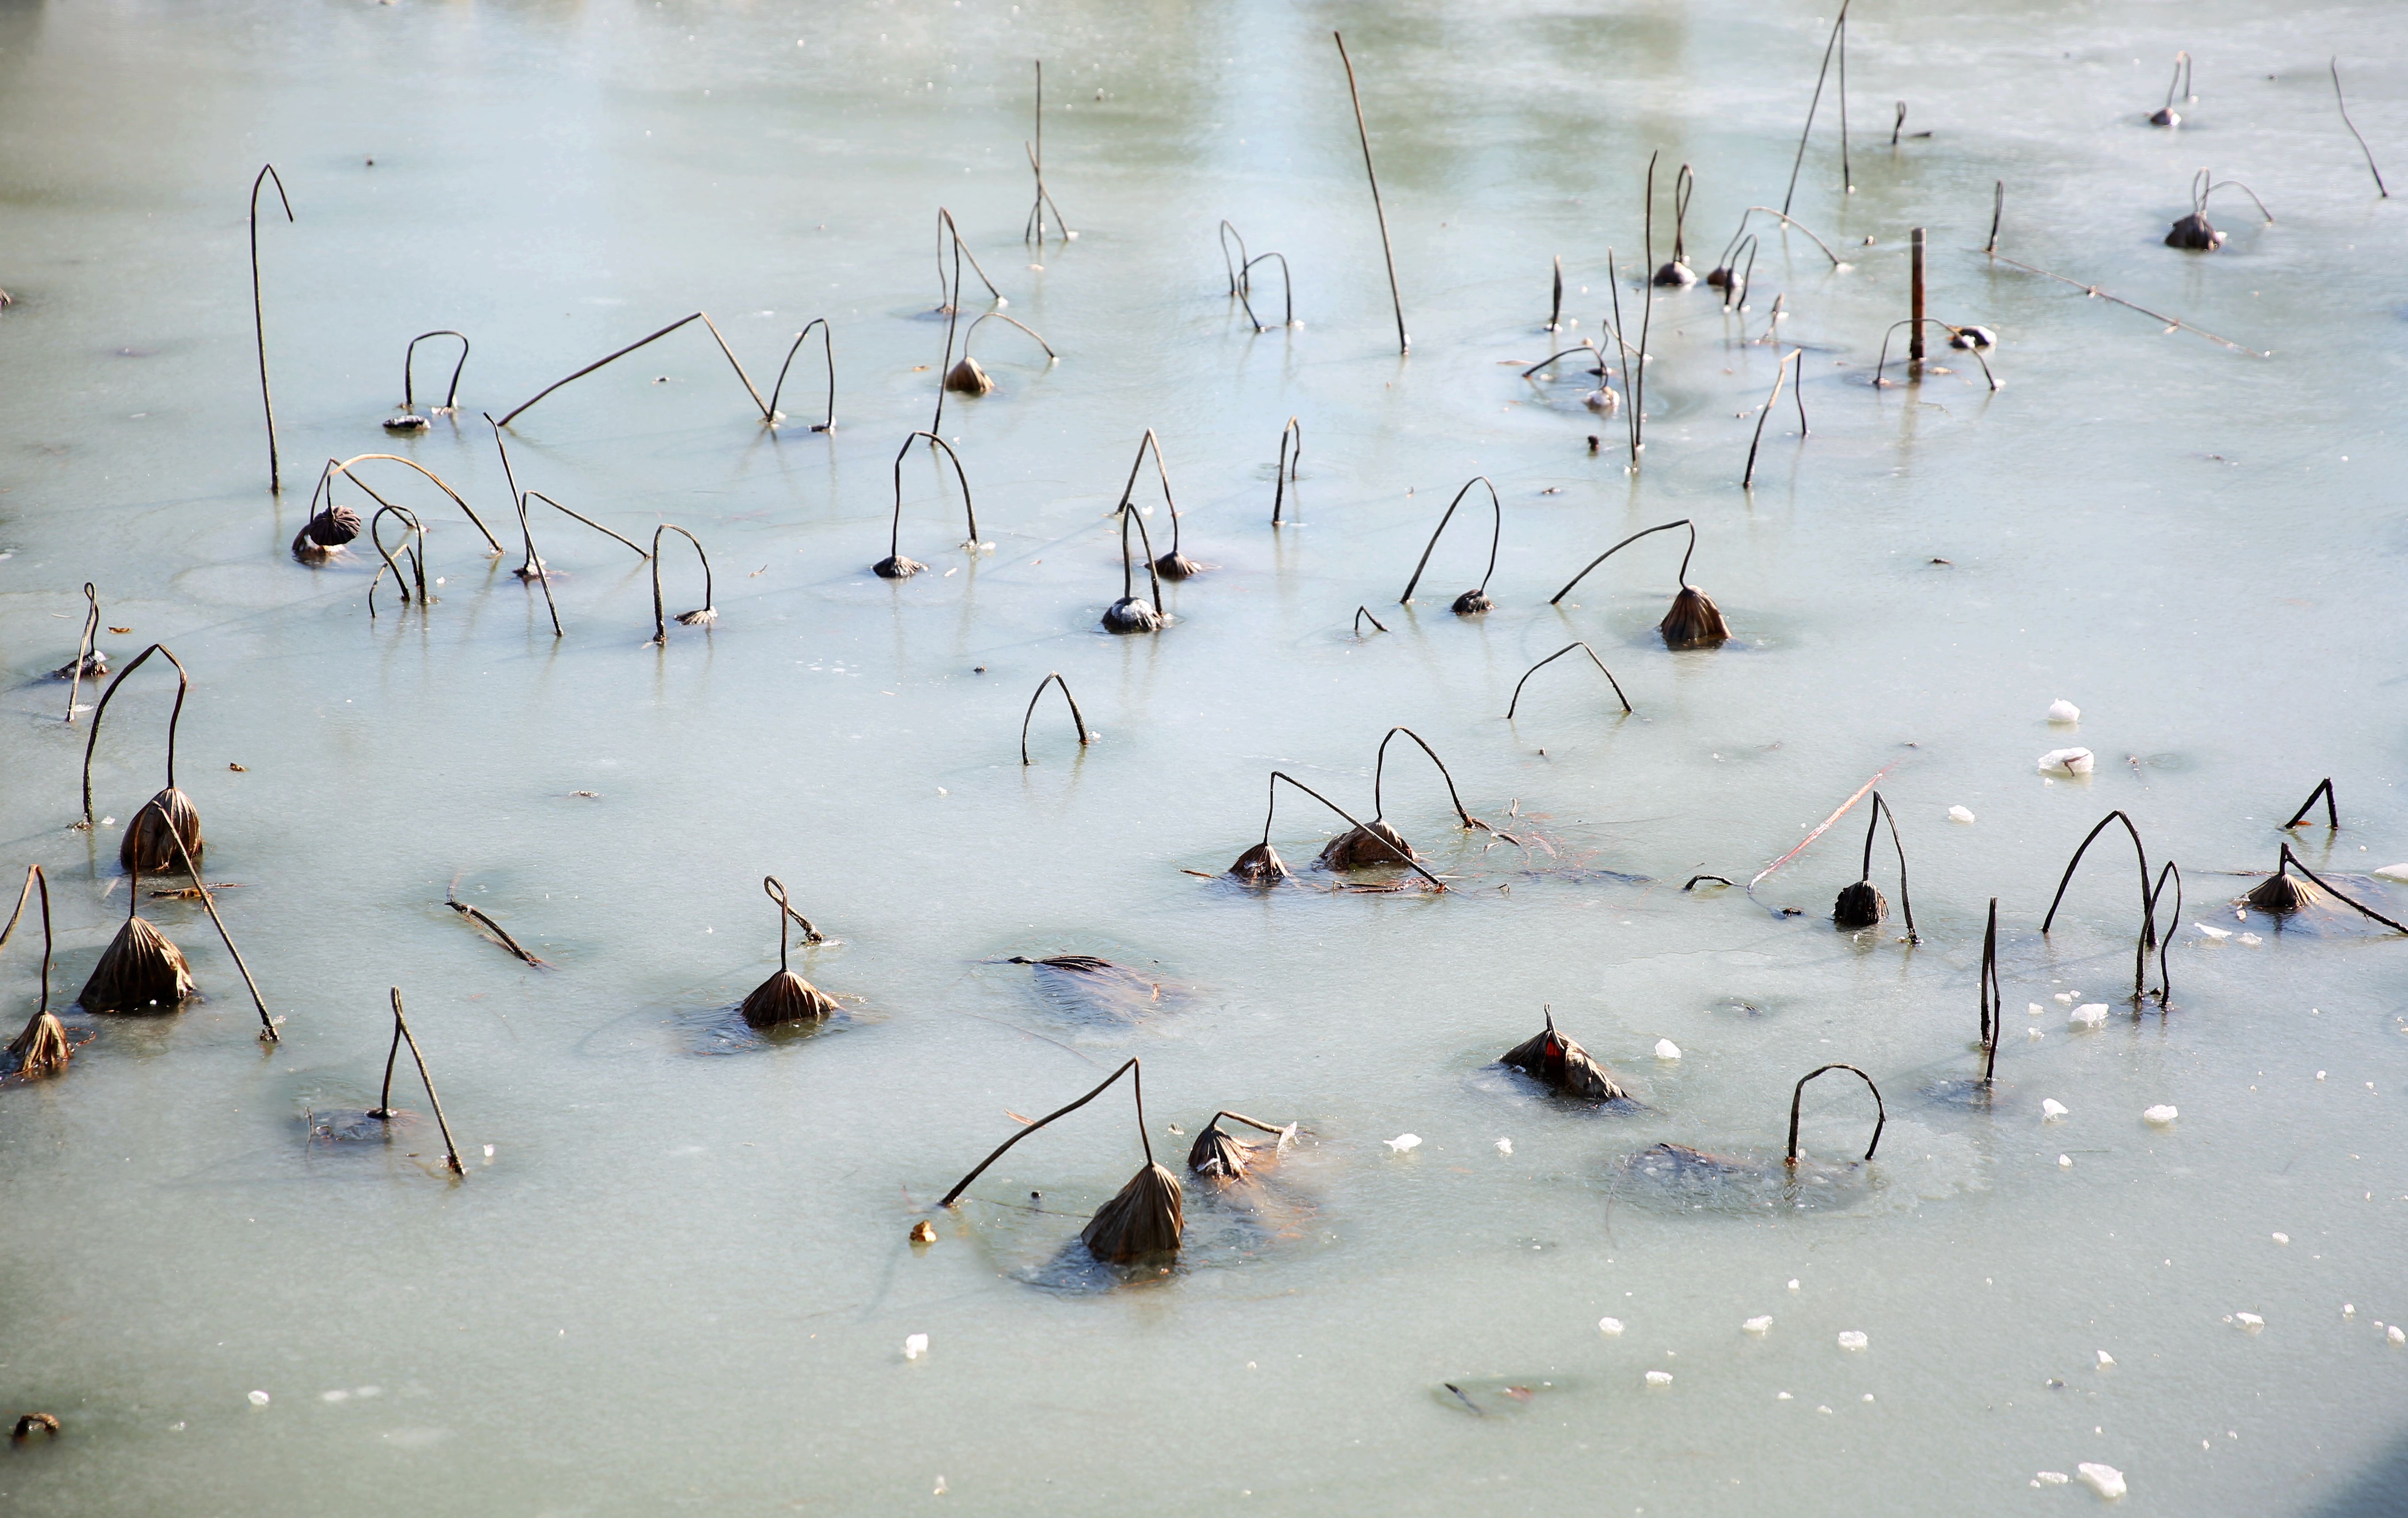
{"x": 2162, "y": 1114}
{"x": 1850, "y": 1339}
{"x": 1783, "y": 1397}
{"x": 1757, "y": 1325}
{"x": 1610, "y": 1327}
{"x": 1960, "y": 814}
{"x": 2106, "y": 1480}
{"x": 2064, "y": 711}
{"x": 2090, "y": 1014}
{"x": 1404, "y": 1141}
{"x": 915, "y": 1346}
{"x": 1659, "y": 1377}
{"x": 2066, "y": 762}
{"x": 1667, "y": 1049}
{"x": 2051, "y": 1109}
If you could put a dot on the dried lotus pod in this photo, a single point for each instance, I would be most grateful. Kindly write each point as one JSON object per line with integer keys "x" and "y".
{"x": 895, "y": 565}
{"x": 2196, "y": 233}
{"x": 84, "y": 666}
{"x": 1364, "y": 846}
{"x": 785, "y": 996}
{"x": 330, "y": 528}
{"x": 1260, "y": 865}
{"x": 147, "y": 847}
{"x": 1860, "y": 905}
{"x": 2281, "y": 893}
{"x": 923, "y": 1232}
{"x": 1143, "y": 1222}
{"x": 1129, "y": 614}
{"x": 139, "y": 971}
{"x": 407, "y": 421}
{"x": 1177, "y": 565}
{"x": 1173, "y": 564}
{"x": 1564, "y": 1065}
{"x": 2179, "y": 84}
{"x": 1471, "y": 602}
{"x": 1218, "y": 1155}
{"x": 1694, "y": 621}
{"x": 1973, "y": 339}
{"x": 42, "y": 1049}
{"x": 1676, "y": 276}
{"x": 967, "y": 378}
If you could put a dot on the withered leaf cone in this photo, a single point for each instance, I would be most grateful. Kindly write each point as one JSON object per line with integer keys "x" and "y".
{"x": 896, "y": 568}
{"x": 1260, "y": 865}
{"x": 139, "y": 972}
{"x": 1861, "y": 905}
{"x": 148, "y": 849}
{"x": 965, "y": 378}
{"x": 333, "y": 527}
{"x": 1177, "y": 565}
{"x": 1361, "y": 847}
{"x": 2195, "y": 233}
{"x": 1564, "y": 1065}
{"x": 2281, "y": 893}
{"x": 42, "y": 1049}
{"x": 1216, "y": 1153}
{"x": 1472, "y": 604}
{"x": 1694, "y": 623}
{"x": 787, "y": 997}
{"x": 1132, "y": 614}
{"x": 1143, "y": 1222}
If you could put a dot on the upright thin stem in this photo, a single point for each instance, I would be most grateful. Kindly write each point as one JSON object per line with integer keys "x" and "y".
{"x": 259, "y": 317}
{"x": 1993, "y": 1005}
{"x": 1780, "y": 372}
{"x": 1404, "y": 344}
{"x": 84, "y": 646}
{"x": 1813, "y": 105}
{"x": 1162, "y": 471}
{"x": 2343, "y": 103}
{"x": 1283, "y": 474}
{"x": 401, "y": 1025}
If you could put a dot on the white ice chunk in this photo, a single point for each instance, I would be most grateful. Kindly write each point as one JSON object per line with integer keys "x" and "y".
{"x": 2069, "y": 997}
{"x": 2248, "y": 1323}
{"x": 2106, "y": 1480}
{"x": 2051, "y": 1109}
{"x": 1610, "y": 1327}
{"x": 1404, "y": 1141}
{"x": 2393, "y": 873}
{"x": 1504, "y": 1146}
{"x": 1757, "y": 1325}
{"x": 2394, "y": 1334}
{"x": 2281, "y": 1239}
{"x": 2065, "y": 1162}
{"x": 2052, "y": 1478}
{"x": 2106, "y": 1361}
{"x": 1850, "y": 1339}
{"x": 2035, "y": 1008}
{"x": 915, "y": 1346}
{"x": 2066, "y": 762}
{"x": 1793, "y": 1283}
{"x": 1960, "y": 814}
{"x": 2216, "y": 934}
{"x": 1667, "y": 1049}
{"x": 2090, "y": 1014}
{"x": 2161, "y": 1114}
{"x": 1659, "y": 1377}
{"x": 259, "y": 1399}
{"x": 2064, "y": 711}
{"x": 2251, "y": 940}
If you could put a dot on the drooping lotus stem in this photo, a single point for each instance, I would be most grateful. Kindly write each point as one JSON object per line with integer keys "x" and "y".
{"x": 2324, "y": 788}
{"x": 1828, "y": 48}
{"x": 637, "y": 549}
{"x": 146, "y": 845}
{"x": 1085, "y": 737}
{"x": 259, "y": 317}
{"x": 1965, "y": 339}
{"x": 1288, "y": 291}
{"x": 1144, "y": 1218}
{"x": 895, "y": 565}
{"x": 533, "y": 568}
{"x": 1234, "y": 267}
{"x": 1780, "y": 372}
{"x": 1514, "y": 704}
{"x": 1471, "y": 602}
{"x": 1556, "y": 1060}
{"x": 1363, "y": 614}
{"x": 968, "y": 378}
{"x": 708, "y": 611}
{"x": 344, "y": 468}
{"x": 1818, "y": 830}
{"x": 2343, "y": 103}
{"x": 1218, "y": 1155}
{"x": 1586, "y": 344}
{"x": 2166, "y": 115}
{"x": 414, "y": 536}
{"x": 1677, "y": 275}
{"x": 139, "y": 970}
{"x": 1262, "y": 865}
{"x": 1283, "y": 472}
{"x": 1730, "y": 249}
{"x": 385, "y": 1110}
{"x": 1374, "y": 842}
{"x": 451, "y": 393}
{"x": 2280, "y": 896}
{"x": 1128, "y": 614}
{"x": 946, "y": 232}
{"x": 1404, "y": 344}
{"x": 86, "y": 648}
{"x": 785, "y": 996}
{"x": 1173, "y": 564}
{"x": 1880, "y": 1113}
{"x": 1861, "y": 906}
{"x": 42, "y": 1049}
{"x": 2148, "y": 939}
{"x": 2174, "y": 925}
{"x": 768, "y": 418}
{"x": 1034, "y": 231}
{"x": 1695, "y": 620}
{"x": 827, "y": 347}
{"x": 1380, "y": 770}
{"x": 1735, "y": 279}
{"x": 1993, "y": 1007}
{"x": 328, "y": 526}
{"x": 452, "y": 899}
{"x": 209, "y": 903}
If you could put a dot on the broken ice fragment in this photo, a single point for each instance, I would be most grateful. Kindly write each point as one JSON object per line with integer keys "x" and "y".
{"x": 1659, "y": 1377}
{"x": 915, "y": 1346}
{"x": 2051, "y": 1109}
{"x": 2090, "y": 1014}
{"x": 1850, "y": 1339}
{"x": 1667, "y": 1049}
{"x": 1504, "y": 1146}
{"x": 2052, "y": 1478}
{"x": 2161, "y": 1114}
{"x": 1610, "y": 1327}
{"x": 2064, "y": 711}
{"x": 2251, "y": 940}
{"x": 2065, "y": 1162}
{"x": 2066, "y": 762}
{"x": 2106, "y": 1480}
{"x": 2248, "y": 1323}
{"x": 2106, "y": 1361}
{"x": 1793, "y": 1283}
{"x": 1403, "y": 1142}
{"x": 1960, "y": 814}
{"x": 2281, "y": 1239}
{"x": 2393, "y": 873}
{"x": 1759, "y": 1327}
{"x": 2215, "y": 935}
{"x": 259, "y": 1399}
{"x": 2068, "y": 998}
{"x": 2035, "y": 1008}
{"x": 2394, "y": 1334}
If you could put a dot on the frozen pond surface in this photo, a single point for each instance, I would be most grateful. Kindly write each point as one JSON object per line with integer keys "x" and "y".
{"x": 681, "y": 1280}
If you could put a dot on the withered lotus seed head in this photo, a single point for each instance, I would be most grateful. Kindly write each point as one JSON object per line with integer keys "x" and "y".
{"x": 896, "y": 568}
{"x": 1143, "y": 1222}
{"x": 1132, "y": 614}
{"x": 147, "y": 849}
{"x": 1472, "y": 604}
{"x": 1604, "y": 401}
{"x": 1720, "y": 279}
{"x": 1260, "y": 865}
{"x": 966, "y": 379}
{"x": 42, "y": 1049}
{"x": 1216, "y": 1153}
{"x": 923, "y": 1232}
{"x": 2165, "y": 116}
{"x": 1694, "y": 623}
{"x": 139, "y": 971}
{"x": 703, "y": 618}
{"x": 407, "y": 421}
{"x": 1675, "y": 275}
{"x": 1861, "y": 905}
{"x": 334, "y": 527}
{"x": 96, "y": 664}
{"x": 2281, "y": 893}
{"x": 1176, "y": 566}
{"x": 1366, "y": 846}
{"x": 2194, "y": 232}
{"x": 787, "y": 997}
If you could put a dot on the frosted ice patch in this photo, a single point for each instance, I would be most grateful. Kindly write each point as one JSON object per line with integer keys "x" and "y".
{"x": 2161, "y": 1114}
{"x": 1610, "y": 1327}
{"x": 1667, "y": 1049}
{"x": 2090, "y": 1014}
{"x": 1960, "y": 814}
{"x": 2066, "y": 762}
{"x": 1850, "y": 1339}
{"x": 1403, "y": 1142}
{"x": 2064, "y": 711}
{"x": 2106, "y": 1480}
{"x": 2051, "y": 1109}
{"x": 1759, "y": 1327}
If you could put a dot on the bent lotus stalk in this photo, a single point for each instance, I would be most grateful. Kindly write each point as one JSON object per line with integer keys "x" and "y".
{"x": 2281, "y": 895}
{"x": 2343, "y": 105}
{"x": 827, "y": 348}
{"x": 345, "y": 468}
{"x": 1362, "y": 615}
{"x": 1034, "y": 231}
{"x": 1694, "y": 621}
{"x": 1474, "y": 602}
{"x": 385, "y": 1110}
{"x": 42, "y": 1049}
{"x": 410, "y": 420}
{"x": 1173, "y": 564}
{"x": 1780, "y": 372}
{"x": 502, "y": 934}
{"x": 967, "y": 378}
{"x": 2166, "y": 115}
{"x": 1967, "y": 340}
{"x": 767, "y": 418}
{"x": 1838, "y": 30}
{"x": 259, "y": 317}
{"x": 1146, "y": 1220}
{"x": 1677, "y": 275}
{"x": 1262, "y": 865}
{"x": 1516, "y": 704}
{"x": 1217, "y": 1154}
{"x": 703, "y": 616}
{"x": 267, "y": 1032}
{"x": 2148, "y": 938}
{"x": 413, "y": 539}
{"x": 1288, "y": 291}
{"x": 2299, "y": 819}
{"x": 1993, "y": 1005}
{"x": 1085, "y": 737}
{"x": 89, "y": 660}
{"x": 1880, "y": 1113}
{"x": 895, "y": 565}
{"x": 146, "y": 845}
{"x": 785, "y": 996}
{"x": 1396, "y": 296}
